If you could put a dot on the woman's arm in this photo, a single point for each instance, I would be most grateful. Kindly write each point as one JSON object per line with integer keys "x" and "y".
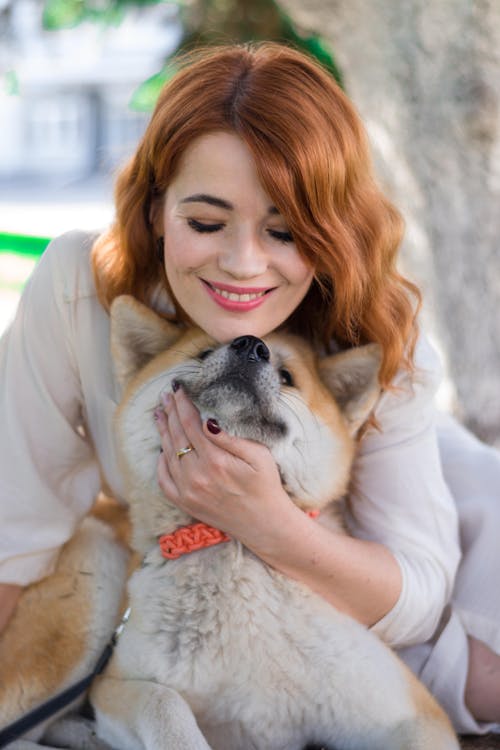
{"x": 397, "y": 572}
{"x": 234, "y": 485}
{"x": 9, "y": 595}
{"x": 48, "y": 472}
{"x": 360, "y": 578}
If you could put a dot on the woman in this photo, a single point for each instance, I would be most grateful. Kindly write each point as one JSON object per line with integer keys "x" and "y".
{"x": 250, "y": 204}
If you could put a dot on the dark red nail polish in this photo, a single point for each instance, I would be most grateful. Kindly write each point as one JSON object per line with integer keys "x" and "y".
{"x": 213, "y": 426}
{"x": 175, "y": 385}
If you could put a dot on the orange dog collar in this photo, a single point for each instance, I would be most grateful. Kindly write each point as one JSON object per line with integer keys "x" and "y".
{"x": 195, "y": 537}
{"x": 190, "y": 539}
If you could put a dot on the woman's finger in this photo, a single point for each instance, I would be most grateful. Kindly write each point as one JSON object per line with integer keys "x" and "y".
{"x": 176, "y": 439}
{"x": 185, "y": 421}
{"x": 249, "y": 451}
{"x": 165, "y": 480}
{"x": 161, "y": 420}
{"x": 180, "y": 453}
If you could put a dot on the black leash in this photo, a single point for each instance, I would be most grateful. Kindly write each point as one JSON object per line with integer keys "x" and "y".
{"x": 19, "y": 727}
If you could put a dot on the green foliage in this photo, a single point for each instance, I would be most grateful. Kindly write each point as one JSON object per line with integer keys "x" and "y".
{"x": 66, "y": 14}
{"x": 62, "y": 14}
{"x": 239, "y": 21}
{"x": 145, "y": 96}
{"x": 315, "y": 45}
{"x": 205, "y": 22}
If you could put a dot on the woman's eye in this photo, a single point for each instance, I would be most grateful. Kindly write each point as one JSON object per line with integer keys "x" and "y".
{"x": 201, "y": 227}
{"x": 204, "y": 354}
{"x": 285, "y": 377}
{"x": 280, "y": 236}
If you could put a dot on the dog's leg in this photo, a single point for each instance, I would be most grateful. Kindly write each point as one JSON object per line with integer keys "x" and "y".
{"x": 140, "y": 715}
{"x": 62, "y": 623}
{"x": 74, "y": 731}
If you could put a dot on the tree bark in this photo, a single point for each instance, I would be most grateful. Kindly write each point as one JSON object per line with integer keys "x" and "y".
{"x": 425, "y": 77}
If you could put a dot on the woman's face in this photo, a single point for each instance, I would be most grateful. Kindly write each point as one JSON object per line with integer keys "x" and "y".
{"x": 230, "y": 260}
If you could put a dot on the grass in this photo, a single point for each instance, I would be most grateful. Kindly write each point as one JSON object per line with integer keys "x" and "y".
{"x": 18, "y": 255}
{"x": 23, "y": 244}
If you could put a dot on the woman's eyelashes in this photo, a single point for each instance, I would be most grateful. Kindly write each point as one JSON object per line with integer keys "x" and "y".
{"x": 280, "y": 236}
{"x": 202, "y": 227}
{"x": 207, "y": 227}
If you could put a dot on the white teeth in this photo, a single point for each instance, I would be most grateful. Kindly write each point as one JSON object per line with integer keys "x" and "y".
{"x": 238, "y": 297}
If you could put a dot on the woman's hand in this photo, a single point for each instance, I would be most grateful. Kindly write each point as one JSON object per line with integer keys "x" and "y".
{"x": 230, "y": 483}
{"x": 234, "y": 485}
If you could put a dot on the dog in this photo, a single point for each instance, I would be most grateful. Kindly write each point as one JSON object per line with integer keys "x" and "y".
{"x": 221, "y": 651}
{"x": 63, "y": 622}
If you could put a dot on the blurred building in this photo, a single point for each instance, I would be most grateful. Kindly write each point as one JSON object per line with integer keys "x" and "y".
{"x": 64, "y": 95}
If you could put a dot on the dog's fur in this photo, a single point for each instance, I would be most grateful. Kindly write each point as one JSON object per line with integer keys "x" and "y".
{"x": 62, "y": 623}
{"x": 221, "y": 651}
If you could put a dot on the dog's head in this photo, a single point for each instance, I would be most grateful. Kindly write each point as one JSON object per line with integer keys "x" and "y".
{"x": 306, "y": 410}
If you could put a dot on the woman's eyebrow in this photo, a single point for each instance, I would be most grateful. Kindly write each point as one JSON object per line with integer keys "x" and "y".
{"x": 212, "y": 200}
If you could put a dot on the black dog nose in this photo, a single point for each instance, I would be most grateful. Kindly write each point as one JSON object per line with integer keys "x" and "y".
{"x": 250, "y": 348}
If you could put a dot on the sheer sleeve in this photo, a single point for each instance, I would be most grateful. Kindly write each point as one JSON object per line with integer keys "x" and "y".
{"x": 48, "y": 472}
{"x": 399, "y": 498}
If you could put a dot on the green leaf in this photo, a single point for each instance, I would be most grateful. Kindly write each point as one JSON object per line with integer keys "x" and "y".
{"x": 321, "y": 50}
{"x": 66, "y": 14}
{"x": 63, "y": 14}
{"x": 146, "y": 94}
{"x": 112, "y": 15}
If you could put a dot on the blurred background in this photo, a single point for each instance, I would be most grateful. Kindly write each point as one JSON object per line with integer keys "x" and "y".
{"x": 79, "y": 78}
{"x": 78, "y": 81}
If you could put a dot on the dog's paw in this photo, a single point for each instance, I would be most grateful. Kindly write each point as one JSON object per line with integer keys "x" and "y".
{"x": 74, "y": 732}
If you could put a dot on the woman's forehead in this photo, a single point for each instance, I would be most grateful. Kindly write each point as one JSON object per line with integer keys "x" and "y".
{"x": 219, "y": 170}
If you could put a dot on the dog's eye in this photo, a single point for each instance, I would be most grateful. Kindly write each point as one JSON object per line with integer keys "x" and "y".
{"x": 285, "y": 377}
{"x": 204, "y": 354}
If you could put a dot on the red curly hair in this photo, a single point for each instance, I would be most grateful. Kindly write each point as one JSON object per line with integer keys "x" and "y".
{"x": 313, "y": 160}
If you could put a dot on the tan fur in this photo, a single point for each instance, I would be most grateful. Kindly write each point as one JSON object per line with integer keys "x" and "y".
{"x": 39, "y": 647}
{"x": 221, "y": 652}
{"x": 115, "y": 515}
{"x": 427, "y": 706}
{"x": 63, "y": 622}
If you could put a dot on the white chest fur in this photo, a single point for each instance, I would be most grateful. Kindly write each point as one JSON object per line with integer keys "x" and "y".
{"x": 253, "y": 652}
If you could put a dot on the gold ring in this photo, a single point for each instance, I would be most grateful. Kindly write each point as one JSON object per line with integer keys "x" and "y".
{"x": 184, "y": 451}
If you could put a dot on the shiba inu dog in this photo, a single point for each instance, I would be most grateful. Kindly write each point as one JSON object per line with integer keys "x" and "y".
{"x": 62, "y": 623}
{"x": 220, "y": 650}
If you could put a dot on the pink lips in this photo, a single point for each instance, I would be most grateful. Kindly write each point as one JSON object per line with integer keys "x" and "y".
{"x": 234, "y": 305}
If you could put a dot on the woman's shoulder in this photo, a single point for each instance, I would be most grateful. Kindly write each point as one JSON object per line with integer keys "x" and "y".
{"x": 408, "y": 406}
{"x": 66, "y": 264}
{"x": 427, "y": 372}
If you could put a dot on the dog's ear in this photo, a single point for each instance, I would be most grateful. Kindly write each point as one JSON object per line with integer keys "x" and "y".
{"x": 137, "y": 335}
{"x": 352, "y": 378}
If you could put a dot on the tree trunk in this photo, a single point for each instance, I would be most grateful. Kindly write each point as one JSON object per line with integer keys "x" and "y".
{"x": 425, "y": 77}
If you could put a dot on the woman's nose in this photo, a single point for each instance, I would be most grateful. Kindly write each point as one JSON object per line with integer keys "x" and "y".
{"x": 243, "y": 258}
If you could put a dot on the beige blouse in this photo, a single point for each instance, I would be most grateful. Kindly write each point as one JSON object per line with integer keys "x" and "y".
{"x": 57, "y": 399}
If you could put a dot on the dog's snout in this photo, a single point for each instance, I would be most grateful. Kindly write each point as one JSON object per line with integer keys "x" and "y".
{"x": 250, "y": 348}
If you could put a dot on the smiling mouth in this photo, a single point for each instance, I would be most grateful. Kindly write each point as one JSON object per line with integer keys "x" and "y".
{"x": 249, "y": 295}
